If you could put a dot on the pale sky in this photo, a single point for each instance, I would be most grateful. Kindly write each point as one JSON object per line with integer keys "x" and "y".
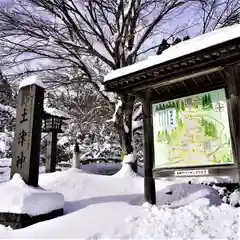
{"x": 168, "y": 27}
{"x": 5, "y": 3}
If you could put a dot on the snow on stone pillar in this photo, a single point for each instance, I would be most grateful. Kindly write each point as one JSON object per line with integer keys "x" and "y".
{"x": 26, "y": 147}
{"x": 76, "y": 156}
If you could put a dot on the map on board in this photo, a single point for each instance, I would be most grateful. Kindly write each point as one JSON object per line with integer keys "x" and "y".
{"x": 192, "y": 131}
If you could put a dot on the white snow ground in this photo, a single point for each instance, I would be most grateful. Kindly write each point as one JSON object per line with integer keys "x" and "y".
{"x": 18, "y": 197}
{"x": 112, "y": 207}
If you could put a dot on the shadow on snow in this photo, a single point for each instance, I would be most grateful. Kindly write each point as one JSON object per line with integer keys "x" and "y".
{"x": 173, "y": 196}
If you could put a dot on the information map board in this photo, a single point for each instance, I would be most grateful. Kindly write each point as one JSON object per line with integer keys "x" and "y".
{"x": 192, "y": 131}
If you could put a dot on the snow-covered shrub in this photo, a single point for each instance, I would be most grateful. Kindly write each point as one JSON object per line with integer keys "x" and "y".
{"x": 7, "y": 127}
{"x": 6, "y": 140}
{"x": 95, "y": 144}
{"x": 88, "y": 124}
{"x": 138, "y": 139}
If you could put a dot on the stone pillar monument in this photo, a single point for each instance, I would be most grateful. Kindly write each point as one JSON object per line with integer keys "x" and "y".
{"x": 26, "y": 146}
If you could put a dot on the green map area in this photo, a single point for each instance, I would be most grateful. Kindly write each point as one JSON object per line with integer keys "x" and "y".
{"x": 192, "y": 131}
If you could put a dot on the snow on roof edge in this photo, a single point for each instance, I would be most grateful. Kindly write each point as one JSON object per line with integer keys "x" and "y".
{"x": 56, "y": 112}
{"x": 181, "y": 49}
{"x": 30, "y": 81}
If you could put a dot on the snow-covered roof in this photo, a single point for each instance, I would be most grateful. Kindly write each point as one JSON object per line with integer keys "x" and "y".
{"x": 31, "y": 80}
{"x": 56, "y": 112}
{"x": 181, "y": 49}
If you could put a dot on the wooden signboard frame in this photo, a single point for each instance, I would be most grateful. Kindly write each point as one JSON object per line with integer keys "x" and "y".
{"x": 206, "y": 70}
{"x": 203, "y": 170}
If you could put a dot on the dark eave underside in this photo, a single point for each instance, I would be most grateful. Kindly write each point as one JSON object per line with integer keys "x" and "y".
{"x": 171, "y": 77}
{"x": 190, "y": 86}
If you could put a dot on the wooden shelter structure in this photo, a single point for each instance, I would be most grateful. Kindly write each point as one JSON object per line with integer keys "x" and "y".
{"x": 205, "y": 63}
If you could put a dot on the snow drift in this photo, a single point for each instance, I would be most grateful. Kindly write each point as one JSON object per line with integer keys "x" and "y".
{"x": 18, "y": 197}
{"x": 112, "y": 207}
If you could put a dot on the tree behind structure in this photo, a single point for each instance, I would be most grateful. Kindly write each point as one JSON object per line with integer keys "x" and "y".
{"x": 87, "y": 39}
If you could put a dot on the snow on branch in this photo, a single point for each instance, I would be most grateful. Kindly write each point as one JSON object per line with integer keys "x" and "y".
{"x": 137, "y": 113}
{"x": 9, "y": 109}
{"x": 137, "y": 124}
{"x": 117, "y": 106}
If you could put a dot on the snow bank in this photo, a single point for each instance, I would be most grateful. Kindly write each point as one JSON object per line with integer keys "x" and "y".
{"x": 197, "y": 220}
{"x": 181, "y": 49}
{"x": 30, "y": 81}
{"x": 126, "y": 171}
{"x": 112, "y": 205}
{"x": 235, "y": 198}
{"x": 129, "y": 158}
{"x": 18, "y": 197}
{"x": 177, "y": 195}
{"x": 109, "y": 207}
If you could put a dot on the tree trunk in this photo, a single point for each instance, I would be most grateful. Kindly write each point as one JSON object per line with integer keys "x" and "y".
{"x": 124, "y": 128}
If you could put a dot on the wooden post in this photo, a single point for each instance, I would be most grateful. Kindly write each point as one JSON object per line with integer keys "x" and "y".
{"x": 26, "y": 147}
{"x": 233, "y": 103}
{"x": 149, "y": 183}
{"x": 51, "y": 152}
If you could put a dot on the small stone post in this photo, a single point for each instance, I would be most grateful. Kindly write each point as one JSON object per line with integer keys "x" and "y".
{"x": 26, "y": 146}
{"x": 76, "y": 156}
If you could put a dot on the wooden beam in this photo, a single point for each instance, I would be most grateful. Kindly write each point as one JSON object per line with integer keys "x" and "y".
{"x": 209, "y": 79}
{"x": 195, "y": 82}
{"x": 233, "y": 103}
{"x": 184, "y": 84}
{"x": 157, "y": 91}
{"x": 149, "y": 183}
{"x": 184, "y": 92}
{"x": 171, "y": 80}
